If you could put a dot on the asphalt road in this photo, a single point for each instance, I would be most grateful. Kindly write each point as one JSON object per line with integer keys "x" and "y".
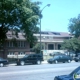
{"x": 36, "y": 72}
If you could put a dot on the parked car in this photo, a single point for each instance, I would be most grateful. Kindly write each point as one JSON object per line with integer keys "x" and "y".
{"x": 74, "y": 75}
{"x": 72, "y": 54}
{"x": 77, "y": 57}
{"x": 60, "y": 58}
{"x": 3, "y": 62}
{"x": 30, "y": 59}
{"x": 55, "y": 53}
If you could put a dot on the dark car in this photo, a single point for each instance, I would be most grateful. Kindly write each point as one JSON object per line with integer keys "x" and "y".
{"x": 55, "y": 53}
{"x": 60, "y": 58}
{"x": 77, "y": 57}
{"x": 72, "y": 54}
{"x": 3, "y": 62}
{"x": 30, "y": 59}
{"x": 74, "y": 75}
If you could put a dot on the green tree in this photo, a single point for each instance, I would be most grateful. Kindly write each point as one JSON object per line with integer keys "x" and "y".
{"x": 36, "y": 48}
{"x": 71, "y": 45}
{"x": 20, "y": 14}
{"x": 74, "y": 26}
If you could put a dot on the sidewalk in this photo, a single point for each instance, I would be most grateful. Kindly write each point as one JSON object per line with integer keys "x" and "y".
{"x": 43, "y": 62}
{"x": 14, "y": 64}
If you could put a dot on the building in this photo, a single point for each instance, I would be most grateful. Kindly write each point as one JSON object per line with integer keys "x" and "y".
{"x": 18, "y": 49}
{"x": 51, "y": 40}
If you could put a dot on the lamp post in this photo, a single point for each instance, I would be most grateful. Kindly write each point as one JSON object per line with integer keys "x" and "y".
{"x": 40, "y": 25}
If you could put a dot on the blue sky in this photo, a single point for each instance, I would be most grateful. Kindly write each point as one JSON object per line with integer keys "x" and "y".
{"x": 56, "y": 17}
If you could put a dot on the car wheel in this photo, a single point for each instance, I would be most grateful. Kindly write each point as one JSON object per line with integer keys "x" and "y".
{"x": 76, "y": 60}
{"x": 22, "y": 63}
{"x": 1, "y": 64}
{"x": 69, "y": 61}
{"x": 38, "y": 62}
{"x": 56, "y": 61}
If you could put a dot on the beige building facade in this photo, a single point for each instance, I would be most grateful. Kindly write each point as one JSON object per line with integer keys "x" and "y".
{"x": 52, "y": 41}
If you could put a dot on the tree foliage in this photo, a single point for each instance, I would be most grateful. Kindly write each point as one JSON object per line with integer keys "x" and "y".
{"x": 36, "y": 48}
{"x": 74, "y": 26}
{"x": 71, "y": 45}
{"x": 19, "y": 14}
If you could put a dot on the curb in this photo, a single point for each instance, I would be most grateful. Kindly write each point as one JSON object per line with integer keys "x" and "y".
{"x": 43, "y": 62}
{"x": 14, "y": 64}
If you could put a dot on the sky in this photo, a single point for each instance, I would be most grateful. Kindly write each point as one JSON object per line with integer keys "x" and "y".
{"x": 56, "y": 17}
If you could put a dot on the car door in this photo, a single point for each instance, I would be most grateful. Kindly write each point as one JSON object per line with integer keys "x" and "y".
{"x": 57, "y": 58}
{"x": 28, "y": 59}
{"x": 25, "y": 58}
{"x": 65, "y": 58}
{"x": 32, "y": 58}
{"x": 60, "y": 58}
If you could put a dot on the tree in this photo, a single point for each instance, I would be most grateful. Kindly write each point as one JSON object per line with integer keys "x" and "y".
{"x": 36, "y": 48}
{"x": 74, "y": 26}
{"x": 19, "y": 14}
{"x": 71, "y": 45}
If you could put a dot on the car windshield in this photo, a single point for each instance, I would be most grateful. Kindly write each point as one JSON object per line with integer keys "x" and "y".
{"x": 75, "y": 71}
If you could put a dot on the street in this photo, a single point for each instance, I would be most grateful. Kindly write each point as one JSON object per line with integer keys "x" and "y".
{"x": 36, "y": 72}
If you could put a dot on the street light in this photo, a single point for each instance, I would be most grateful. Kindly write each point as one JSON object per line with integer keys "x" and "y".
{"x": 40, "y": 25}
